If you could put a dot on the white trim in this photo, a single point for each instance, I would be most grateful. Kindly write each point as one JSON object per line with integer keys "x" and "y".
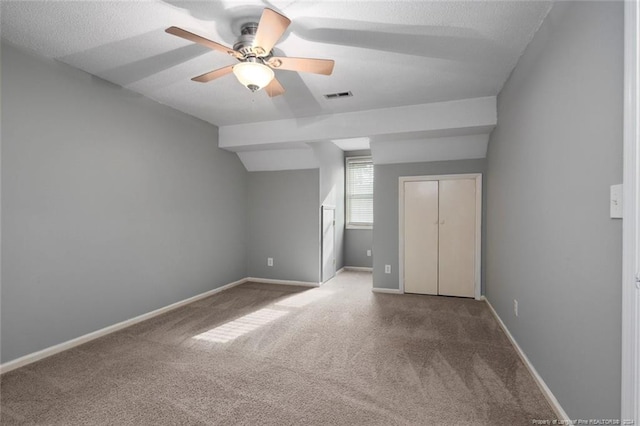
{"x": 52, "y": 350}
{"x": 386, "y": 290}
{"x": 553, "y": 401}
{"x": 630, "y": 392}
{"x": 478, "y": 256}
{"x": 358, "y": 268}
{"x": 361, "y": 227}
{"x": 284, "y": 282}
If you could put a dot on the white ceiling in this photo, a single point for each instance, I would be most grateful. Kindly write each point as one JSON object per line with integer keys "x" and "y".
{"x": 387, "y": 53}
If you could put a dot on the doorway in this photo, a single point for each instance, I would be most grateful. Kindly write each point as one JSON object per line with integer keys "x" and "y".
{"x": 630, "y": 407}
{"x": 328, "y": 243}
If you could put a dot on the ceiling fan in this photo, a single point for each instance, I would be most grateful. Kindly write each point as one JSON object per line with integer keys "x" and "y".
{"x": 254, "y": 51}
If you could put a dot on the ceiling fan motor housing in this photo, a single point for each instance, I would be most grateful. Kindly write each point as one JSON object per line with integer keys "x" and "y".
{"x": 245, "y": 46}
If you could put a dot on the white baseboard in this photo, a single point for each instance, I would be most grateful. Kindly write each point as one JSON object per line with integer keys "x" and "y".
{"x": 386, "y": 290}
{"x": 358, "y": 268}
{"x": 52, "y": 350}
{"x": 285, "y": 282}
{"x": 562, "y": 415}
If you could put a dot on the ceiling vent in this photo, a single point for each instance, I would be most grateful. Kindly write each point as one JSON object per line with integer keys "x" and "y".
{"x": 338, "y": 95}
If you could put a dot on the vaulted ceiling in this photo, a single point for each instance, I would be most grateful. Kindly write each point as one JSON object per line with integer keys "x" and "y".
{"x": 395, "y": 57}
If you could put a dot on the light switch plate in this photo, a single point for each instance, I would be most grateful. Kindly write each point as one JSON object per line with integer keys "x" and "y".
{"x": 615, "y": 209}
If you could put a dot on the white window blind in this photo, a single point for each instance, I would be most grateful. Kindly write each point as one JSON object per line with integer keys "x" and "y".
{"x": 359, "y": 192}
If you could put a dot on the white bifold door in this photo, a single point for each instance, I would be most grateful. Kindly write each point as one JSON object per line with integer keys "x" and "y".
{"x": 440, "y": 237}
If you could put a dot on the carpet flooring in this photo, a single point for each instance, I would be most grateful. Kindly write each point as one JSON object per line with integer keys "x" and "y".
{"x": 263, "y": 354}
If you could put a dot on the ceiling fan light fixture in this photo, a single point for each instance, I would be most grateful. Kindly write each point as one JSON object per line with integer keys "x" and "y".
{"x": 253, "y": 75}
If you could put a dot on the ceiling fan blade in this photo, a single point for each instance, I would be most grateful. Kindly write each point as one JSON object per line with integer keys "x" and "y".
{"x": 270, "y": 28}
{"x": 201, "y": 40}
{"x": 274, "y": 88}
{"x": 316, "y": 66}
{"x": 212, "y": 75}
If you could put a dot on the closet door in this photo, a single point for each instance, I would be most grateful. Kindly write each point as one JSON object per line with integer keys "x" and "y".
{"x": 421, "y": 237}
{"x": 457, "y": 241}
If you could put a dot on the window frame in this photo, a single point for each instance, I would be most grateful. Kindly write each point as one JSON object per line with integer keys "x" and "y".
{"x": 347, "y": 220}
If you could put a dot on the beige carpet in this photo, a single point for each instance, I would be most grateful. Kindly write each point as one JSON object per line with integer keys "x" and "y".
{"x": 282, "y": 355}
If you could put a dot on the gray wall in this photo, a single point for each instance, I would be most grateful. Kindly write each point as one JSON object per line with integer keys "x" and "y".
{"x": 551, "y": 243}
{"x": 331, "y": 160}
{"x": 385, "y": 210}
{"x": 356, "y": 244}
{"x": 112, "y": 205}
{"x": 283, "y": 223}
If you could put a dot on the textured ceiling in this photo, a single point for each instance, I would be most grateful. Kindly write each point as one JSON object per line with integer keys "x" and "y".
{"x": 387, "y": 53}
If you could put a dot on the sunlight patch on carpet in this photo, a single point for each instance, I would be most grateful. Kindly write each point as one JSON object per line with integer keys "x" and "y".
{"x": 303, "y": 299}
{"x": 241, "y": 326}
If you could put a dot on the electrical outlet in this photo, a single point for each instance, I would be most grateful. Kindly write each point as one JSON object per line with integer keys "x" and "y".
{"x": 515, "y": 307}
{"x": 368, "y": 253}
{"x": 387, "y": 269}
{"x": 269, "y": 261}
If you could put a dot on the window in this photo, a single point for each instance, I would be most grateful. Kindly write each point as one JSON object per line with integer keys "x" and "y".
{"x": 359, "y": 192}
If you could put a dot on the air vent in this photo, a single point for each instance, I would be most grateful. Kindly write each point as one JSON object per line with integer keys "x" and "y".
{"x": 338, "y": 95}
